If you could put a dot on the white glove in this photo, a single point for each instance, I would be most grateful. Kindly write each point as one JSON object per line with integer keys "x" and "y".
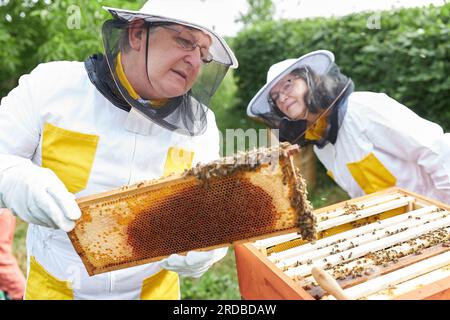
{"x": 37, "y": 195}
{"x": 195, "y": 263}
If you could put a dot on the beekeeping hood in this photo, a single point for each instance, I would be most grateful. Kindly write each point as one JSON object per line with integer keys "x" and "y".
{"x": 184, "y": 114}
{"x": 328, "y": 90}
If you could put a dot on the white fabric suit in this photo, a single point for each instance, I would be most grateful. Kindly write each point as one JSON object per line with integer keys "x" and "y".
{"x": 59, "y": 120}
{"x": 382, "y": 143}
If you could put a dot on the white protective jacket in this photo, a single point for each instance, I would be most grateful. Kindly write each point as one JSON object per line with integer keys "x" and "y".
{"x": 58, "y": 119}
{"x": 381, "y": 143}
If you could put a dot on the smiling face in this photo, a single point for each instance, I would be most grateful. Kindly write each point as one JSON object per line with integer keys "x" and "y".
{"x": 289, "y": 96}
{"x": 174, "y": 61}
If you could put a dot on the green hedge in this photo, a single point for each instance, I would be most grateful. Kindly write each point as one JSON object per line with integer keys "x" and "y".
{"x": 407, "y": 57}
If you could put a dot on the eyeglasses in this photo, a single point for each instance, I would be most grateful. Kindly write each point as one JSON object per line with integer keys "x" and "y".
{"x": 285, "y": 89}
{"x": 187, "y": 42}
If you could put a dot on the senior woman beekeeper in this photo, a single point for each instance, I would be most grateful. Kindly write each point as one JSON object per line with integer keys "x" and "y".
{"x": 137, "y": 112}
{"x": 367, "y": 141}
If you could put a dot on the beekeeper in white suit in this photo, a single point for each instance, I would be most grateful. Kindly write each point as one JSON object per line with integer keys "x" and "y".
{"x": 367, "y": 141}
{"x": 72, "y": 129}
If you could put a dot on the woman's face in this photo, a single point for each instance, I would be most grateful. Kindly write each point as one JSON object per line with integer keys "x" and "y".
{"x": 289, "y": 96}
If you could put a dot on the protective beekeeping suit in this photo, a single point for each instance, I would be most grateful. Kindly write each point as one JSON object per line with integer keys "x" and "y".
{"x": 367, "y": 141}
{"x": 72, "y": 129}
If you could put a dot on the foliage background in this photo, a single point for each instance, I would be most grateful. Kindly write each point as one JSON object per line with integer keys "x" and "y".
{"x": 408, "y": 58}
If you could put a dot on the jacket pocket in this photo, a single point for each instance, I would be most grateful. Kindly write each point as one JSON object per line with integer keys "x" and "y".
{"x": 371, "y": 175}
{"x": 163, "y": 285}
{"x": 41, "y": 285}
{"x": 69, "y": 154}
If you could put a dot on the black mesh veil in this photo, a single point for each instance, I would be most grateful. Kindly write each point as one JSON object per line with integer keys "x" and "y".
{"x": 186, "y": 114}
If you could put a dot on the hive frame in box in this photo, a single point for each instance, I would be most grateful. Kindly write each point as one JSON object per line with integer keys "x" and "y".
{"x": 249, "y": 196}
{"x": 261, "y": 276}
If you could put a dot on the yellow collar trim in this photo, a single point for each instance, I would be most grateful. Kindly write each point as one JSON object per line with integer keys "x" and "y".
{"x": 127, "y": 85}
{"x": 317, "y": 131}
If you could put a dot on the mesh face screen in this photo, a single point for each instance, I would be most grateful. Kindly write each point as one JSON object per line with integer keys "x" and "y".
{"x": 209, "y": 206}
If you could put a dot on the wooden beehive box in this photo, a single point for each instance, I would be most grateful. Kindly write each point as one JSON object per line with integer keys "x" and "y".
{"x": 393, "y": 244}
{"x": 246, "y": 197}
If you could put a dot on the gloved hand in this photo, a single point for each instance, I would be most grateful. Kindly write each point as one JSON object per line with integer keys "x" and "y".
{"x": 195, "y": 263}
{"x": 36, "y": 194}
